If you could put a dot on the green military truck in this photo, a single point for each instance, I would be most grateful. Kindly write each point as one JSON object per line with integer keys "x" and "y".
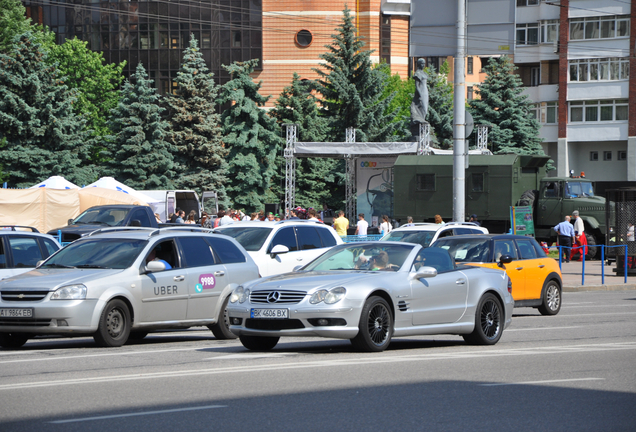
{"x": 423, "y": 187}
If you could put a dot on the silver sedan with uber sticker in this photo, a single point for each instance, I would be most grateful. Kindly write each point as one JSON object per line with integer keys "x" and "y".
{"x": 370, "y": 293}
{"x": 122, "y": 283}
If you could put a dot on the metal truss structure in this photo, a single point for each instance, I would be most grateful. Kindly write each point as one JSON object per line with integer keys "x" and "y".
{"x": 290, "y": 168}
{"x": 424, "y": 146}
{"x": 350, "y": 180}
{"x": 482, "y": 138}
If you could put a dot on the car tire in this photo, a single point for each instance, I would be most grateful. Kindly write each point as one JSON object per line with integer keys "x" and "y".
{"x": 375, "y": 326}
{"x": 488, "y": 322}
{"x": 114, "y": 325}
{"x": 13, "y": 340}
{"x": 221, "y": 329}
{"x": 550, "y": 298}
{"x": 259, "y": 343}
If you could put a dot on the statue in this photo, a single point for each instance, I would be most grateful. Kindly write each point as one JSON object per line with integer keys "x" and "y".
{"x": 419, "y": 106}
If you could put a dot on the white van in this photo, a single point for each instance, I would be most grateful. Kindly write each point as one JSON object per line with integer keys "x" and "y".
{"x": 186, "y": 200}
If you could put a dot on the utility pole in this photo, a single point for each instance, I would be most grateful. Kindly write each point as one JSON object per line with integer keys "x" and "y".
{"x": 459, "y": 118}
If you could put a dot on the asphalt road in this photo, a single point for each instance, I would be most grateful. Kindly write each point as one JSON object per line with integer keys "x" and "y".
{"x": 572, "y": 372}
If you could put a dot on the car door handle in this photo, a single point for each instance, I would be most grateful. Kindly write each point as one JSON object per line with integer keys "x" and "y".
{"x": 519, "y": 268}
{"x": 542, "y": 265}
{"x": 460, "y": 281}
{"x": 179, "y": 278}
{"x": 299, "y": 259}
{"x": 219, "y": 273}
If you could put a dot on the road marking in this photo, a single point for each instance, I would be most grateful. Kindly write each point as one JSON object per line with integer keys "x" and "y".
{"x": 541, "y": 328}
{"x": 136, "y": 414}
{"x": 597, "y": 314}
{"x": 117, "y": 353}
{"x": 358, "y": 361}
{"x": 253, "y": 356}
{"x": 598, "y": 306}
{"x": 542, "y": 382}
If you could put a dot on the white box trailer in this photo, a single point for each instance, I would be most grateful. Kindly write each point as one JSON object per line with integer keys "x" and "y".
{"x": 186, "y": 200}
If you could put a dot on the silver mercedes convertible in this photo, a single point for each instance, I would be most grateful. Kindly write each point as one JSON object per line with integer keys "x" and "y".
{"x": 372, "y": 292}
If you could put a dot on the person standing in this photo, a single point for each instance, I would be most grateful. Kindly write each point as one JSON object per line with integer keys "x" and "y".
{"x": 361, "y": 228}
{"x": 473, "y": 219}
{"x": 409, "y": 221}
{"x": 180, "y": 217}
{"x": 341, "y": 224}
{"x": 630, "y": 231}
{"x": 579, "y": 236}
{"x": 566, "y": 235}
{"x": 438, "y": 220}
{"x": 385, "y": 226}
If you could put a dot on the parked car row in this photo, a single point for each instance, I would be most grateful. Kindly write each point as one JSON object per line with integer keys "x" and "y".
{"x": 265, "y": 280}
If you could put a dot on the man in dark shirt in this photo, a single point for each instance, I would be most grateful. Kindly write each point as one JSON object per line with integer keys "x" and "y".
{"x": 565, "y": 230}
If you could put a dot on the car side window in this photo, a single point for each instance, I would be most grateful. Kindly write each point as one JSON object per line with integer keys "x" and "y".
{"x": 142, "y": 217}
{"x": 3, "y": 257}
{"x": 460, "y": 231}
{"x": 50, "y": 247}
{"x": 196, "y": 252}
{"x": 227, "y": 251}
{"x": 167, "y": 251}
{"x": 505, "y": 247}
{"x": 285, "y": 237}
{"x": 327, "y": 238}
{"x": 445, "y": 233}
{"x": 526, "y": 249}
{"x": 308, "y": 238}
{"x": 435, "y": 257}
{"x": 25, "y": 250}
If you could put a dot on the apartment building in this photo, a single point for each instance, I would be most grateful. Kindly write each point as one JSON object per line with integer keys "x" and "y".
{"x": 577, "y": 61}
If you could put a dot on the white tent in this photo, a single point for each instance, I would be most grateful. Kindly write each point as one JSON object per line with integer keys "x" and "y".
{"x": 56, "y": 182}
{"x": 111, "y": 183}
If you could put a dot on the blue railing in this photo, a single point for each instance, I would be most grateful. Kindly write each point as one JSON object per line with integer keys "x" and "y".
{"x": 582, "y": 248}
{"x": 359, "y": 238}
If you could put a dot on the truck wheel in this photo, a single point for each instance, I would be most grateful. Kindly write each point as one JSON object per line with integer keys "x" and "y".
{"x": 591, "y": 251}
{"x": 527, "y": 198}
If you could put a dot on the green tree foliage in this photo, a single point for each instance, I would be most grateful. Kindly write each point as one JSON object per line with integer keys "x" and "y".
{"x": 315, "y": 177}
{"x": 97, "y": 83}
{"x": 440, "y": 105}
{"x": 13, "y": 22}
{"x": 502, "y": 107}
{"x": 195, "y": 129}
{"x": 253, "y": 139}
{"x": 138, "y": 154}
{"x": 401, "y": 93}
{"x": 43, "y": 135}
{"x": 352, "y": 89}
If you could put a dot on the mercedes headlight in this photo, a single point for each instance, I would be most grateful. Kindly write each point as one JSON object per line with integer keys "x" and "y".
{"x": 331, "y": 296}
{"x": 71, "y": 292}
{"x": 239, "y": 295}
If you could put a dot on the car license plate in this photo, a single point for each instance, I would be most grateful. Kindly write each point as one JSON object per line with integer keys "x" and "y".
{"x": 269, "y": 313}
{"x": 16, "y": 313}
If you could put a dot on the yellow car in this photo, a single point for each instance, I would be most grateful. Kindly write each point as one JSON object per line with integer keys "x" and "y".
{"x": 536, "y": 279}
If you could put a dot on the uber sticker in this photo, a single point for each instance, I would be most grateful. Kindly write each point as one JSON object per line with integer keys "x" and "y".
{"x": 206, "y": 281}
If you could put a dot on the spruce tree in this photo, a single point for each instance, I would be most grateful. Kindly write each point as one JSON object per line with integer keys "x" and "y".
{"x": 440, "y": 105}
{"x": 195, "y": 130}
{"x": 253, "y": 139}
{"x": 502, "y": 106}
{"x": 138, "y": 153}
{"x": 352, "y": 89}
{"x": 44, "y": 137}
{"x": 315, "y": 177}
{"x": 13, "y": 22}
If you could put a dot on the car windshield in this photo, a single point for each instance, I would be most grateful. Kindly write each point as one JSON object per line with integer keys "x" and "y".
{"x": 111, "y": 216}
{"x": 578, "y": 189}
{"x": 420, "y": 237}
{"x": 362, "y": 256}
{"x": 98, "y": 253}
{"x": 466, "y": 249}
{"x": 251, "y": 238}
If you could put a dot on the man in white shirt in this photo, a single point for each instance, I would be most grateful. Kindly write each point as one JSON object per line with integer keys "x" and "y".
{"x": 362, "y": 226}
{"x": 579, "y": 236}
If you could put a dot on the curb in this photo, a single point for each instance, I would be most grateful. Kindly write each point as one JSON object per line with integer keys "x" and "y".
{"x": 613, "y": 287}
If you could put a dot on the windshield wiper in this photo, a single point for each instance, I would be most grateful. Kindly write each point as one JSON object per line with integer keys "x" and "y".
{"x": 58, "y": 266}
{"x": 92, "y": 266}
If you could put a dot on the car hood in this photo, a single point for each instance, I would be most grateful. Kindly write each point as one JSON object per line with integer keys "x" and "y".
{"x": 51, "y": 279}
{"x": 305, "y": 281}
{"x": 80, "y": 229}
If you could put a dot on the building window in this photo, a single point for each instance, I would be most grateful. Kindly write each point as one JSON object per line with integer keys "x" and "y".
{"x": 535, "y": 111}
{"x": 469, "y": 65}
{"x": 478, "y": 182}
{"x": 527, "y": 34}
{"x": 385, "y": 38}
{"x": 551, "y": 112}
{"x": 601, "y": 69}
{"x": 607, "y": 27}
{"x": 304, "y": 38}
{"x": 593, "y": 156}
{"x": 527, "y": 2}
{"x": 595, "y": 111}
{"x": 622, "y": 155}
{"x": 469, "y": 92}
{"x": 426, "y": 182}
{"x": 549, "y": 31}
{"x": 607, "y": 155}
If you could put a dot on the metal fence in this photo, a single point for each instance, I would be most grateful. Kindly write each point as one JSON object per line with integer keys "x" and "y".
{"x": 603, "y": 247}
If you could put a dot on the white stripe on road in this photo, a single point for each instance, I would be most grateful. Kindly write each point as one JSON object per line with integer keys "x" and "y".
{"x": 114, "y": 353}
{"x": 540, "y": 328}
{"x": 136, "y": 414}
{"x": 542, "y": 382}
{"x": 357, "y": 361}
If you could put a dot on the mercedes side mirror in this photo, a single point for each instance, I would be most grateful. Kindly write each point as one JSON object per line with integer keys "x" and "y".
{"x": 424, "y": 272}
